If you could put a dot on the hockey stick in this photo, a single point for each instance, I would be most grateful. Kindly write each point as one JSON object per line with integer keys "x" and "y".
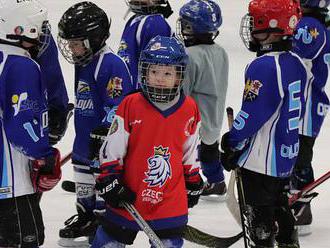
{"x": 231, "y": 201}
{"x": 66, "y": 158}
{"x": 308, "y": 188}
{"x": 143, "y": 224}
{"x": 194, "y": 235}
{"x": 240, "y": 190}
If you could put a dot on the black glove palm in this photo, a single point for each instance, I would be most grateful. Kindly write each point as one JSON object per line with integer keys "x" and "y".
{"x": 113, "y": 191}
{"x": 58, "y": 122}
{"x": 228, "y": 157}
{"x": 97, "y": 137}
{"x": 194, "y": 191}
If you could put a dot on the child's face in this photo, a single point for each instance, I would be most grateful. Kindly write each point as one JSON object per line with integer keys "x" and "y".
{"x": 77, "y": 47}
{"x": 163, "y": 76}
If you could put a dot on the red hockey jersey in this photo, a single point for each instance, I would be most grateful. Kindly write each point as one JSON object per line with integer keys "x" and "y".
{"x": 156, "y": 152}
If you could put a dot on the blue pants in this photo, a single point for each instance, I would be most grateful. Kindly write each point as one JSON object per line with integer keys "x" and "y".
{"x": 104, "y": 240}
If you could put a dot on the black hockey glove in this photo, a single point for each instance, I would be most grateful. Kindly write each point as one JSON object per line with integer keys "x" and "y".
{"x": 228, "y": 157}
{"x": 97, "y": 137}
{"x": 194, "y": 191}
{"x": 58, "y": 122}
{"x": 113, "y": 191}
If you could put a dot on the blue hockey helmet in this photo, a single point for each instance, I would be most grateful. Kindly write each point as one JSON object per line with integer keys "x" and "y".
{"x": 204, "y": 16}
{"x": 163, "y": 57}
{"x": 315, "y": 3}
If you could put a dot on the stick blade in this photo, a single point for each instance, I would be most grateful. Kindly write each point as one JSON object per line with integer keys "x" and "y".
{"x": 194, "y": 235}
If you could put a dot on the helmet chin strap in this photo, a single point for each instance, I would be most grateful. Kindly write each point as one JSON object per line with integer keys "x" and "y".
{"x": 283, "y": 45}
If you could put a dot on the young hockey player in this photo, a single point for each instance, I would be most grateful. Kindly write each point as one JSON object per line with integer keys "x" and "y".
{"x": 312, "y": 44}
{"x": 206, "y": 81}
{"x": 149, "y": 156}
{"x": 102, "y": 80}
{"x": 29, "y": 164}
{"x": 147, "y": 22}
{"x": 264, "y": 140}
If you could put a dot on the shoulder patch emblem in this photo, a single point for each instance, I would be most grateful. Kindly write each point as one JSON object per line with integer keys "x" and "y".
{"x": 114, "y": 87}
{"x": 251, "y": 90}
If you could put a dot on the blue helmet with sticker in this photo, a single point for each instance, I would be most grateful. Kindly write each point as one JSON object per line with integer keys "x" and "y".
{"x": 161, "y": 68}
{"x": 199, "y": 22}
{"x": 204, "y": 16}
{"x": 164, "y": 50}
{"x": 315, "y": 3}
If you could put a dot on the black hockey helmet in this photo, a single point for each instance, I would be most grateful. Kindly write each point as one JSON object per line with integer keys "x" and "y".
{"x": 148, "y": 7}
{"x": 84, "y": 22}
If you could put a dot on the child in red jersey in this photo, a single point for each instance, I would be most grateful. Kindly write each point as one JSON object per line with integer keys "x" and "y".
{"x": 149, "y": 157}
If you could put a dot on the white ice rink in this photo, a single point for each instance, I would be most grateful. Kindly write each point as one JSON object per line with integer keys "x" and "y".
{"x": 210, "y": 217}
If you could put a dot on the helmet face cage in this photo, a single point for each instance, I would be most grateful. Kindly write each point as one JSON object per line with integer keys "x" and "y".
{"x": 70, "y": 56}
{"x": 245, "y": 30}
{"x": 184, "y": 30}
{"x": 161, "y": 93}
{"x": 44, "y": 38}
{"x": 145, "y": 7}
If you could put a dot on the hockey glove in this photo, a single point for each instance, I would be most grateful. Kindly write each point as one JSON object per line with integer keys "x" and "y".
{"x": 111, "y": 189}
{"x": 230, "y": 156}
{"x": 194, "y": 191}
{"x": 97, "y": 137}
{"x": 58, "y": 122}
{"x": 46, "y": 173}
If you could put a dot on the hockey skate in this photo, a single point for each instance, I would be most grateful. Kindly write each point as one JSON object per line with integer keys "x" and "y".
{"x": 215, "y": 192}
{"x": 79, "y": 230}
{"x": 304, "y": 219}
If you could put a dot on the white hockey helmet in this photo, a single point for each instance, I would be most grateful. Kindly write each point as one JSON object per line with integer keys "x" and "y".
{"x": 22, "y": 20}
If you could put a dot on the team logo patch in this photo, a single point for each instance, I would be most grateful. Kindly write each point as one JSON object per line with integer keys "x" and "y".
{"x": 83, "y": 87}
{"x": 159, "y": 167}
{"x": 189, "y": 126}
{"x": 17, "y": 101}
{"x": 114, "y": 126}
{"x": 251, "y": 90}
{"x": 114, "y": 87}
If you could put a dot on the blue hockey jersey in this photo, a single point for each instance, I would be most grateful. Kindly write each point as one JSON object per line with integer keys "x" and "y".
{"x": 312, "y": 44}
{"x": 53, "y": 77}
{"x": 24, "y": 121}
{"x": 266, "y": 128}
{"x": 99, "y": 88}
{"x": 139, "y": 30}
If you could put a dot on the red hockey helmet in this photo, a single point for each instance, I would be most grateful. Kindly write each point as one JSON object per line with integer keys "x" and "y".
{"x": 270, "y": 16}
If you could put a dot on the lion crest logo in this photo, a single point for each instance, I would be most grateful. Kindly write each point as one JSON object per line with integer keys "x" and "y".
{"x": 159, "y": 167}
